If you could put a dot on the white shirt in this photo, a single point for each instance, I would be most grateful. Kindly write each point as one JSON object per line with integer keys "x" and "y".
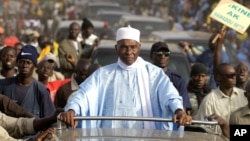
{"x": 75, "y": 43}
{"x": 219, "y": 103}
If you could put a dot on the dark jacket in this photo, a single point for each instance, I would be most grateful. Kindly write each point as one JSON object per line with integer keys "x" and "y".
{"x": 180, "y": 84}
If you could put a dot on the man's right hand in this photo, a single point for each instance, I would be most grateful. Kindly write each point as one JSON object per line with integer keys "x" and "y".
{"x": 223, "y": 125}
{"x": 68, "y": 118}
{"x": 70, "y": 58}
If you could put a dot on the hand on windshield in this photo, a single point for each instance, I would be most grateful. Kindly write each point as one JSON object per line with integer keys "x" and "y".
{"x": 68, "y": 118}
{"x": 182, "y": 118}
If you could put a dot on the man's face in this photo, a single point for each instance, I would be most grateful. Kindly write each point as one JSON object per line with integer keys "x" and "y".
{"x": 81, "y": 73}
{"x": 128, "y": 50}
{"x": 199, "y": 80}
{"x": 8, "y": 59}
{"x": 44, "y": 70}
{"x": 160, "y": 58}
{"x": 25, "y": 67}
{"x": 227, "y": 77}
{"x": 241, "y": 73}
{"x": 52, "y": 63}
{"x": 82, "y": 70}
{"x": 74, "y": 31}
{"x": 87, "y": 32}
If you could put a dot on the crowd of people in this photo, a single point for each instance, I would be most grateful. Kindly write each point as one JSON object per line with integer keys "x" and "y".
{"x": 40, "y": 77}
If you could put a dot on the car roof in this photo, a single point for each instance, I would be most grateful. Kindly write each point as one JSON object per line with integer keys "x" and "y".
{"x": 125, "y": 134}
{"x": 113, "y": 12}
{"x": 103, "y": 3}
{"x": 66, "y": 23}
{"x": 142, "y": 18}
{"x": 93, "y": 7}
{"x": 180, "y": 35}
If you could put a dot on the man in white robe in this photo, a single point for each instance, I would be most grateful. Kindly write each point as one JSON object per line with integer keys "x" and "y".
{"x": 130, "y": 87}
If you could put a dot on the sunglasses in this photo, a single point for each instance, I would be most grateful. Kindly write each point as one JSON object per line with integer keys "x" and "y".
{"x": 232, "y": 75}
{"x": 160, "y": 53}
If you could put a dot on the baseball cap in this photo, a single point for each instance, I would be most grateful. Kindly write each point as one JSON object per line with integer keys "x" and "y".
{"x": 51, "y": 57}
{"x": 28, "y": 52}
{"x": 159, "y": 46}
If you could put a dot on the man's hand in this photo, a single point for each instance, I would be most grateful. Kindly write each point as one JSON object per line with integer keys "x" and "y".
{"x": 70, "y": 58}
{"x": 96, "y": 42}
{"x": 222, "y": 123}
{"x": 45, "y": 134}
{"x": 68, "y": 118}
{"x": 182, "y": 117}
{"x": 56, "y": 113}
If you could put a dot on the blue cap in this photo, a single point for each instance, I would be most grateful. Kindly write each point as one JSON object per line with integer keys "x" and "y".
{"x": 28, "y": 52}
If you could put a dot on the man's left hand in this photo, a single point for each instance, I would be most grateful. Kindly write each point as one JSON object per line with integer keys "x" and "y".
{"x": 182, "y": 118}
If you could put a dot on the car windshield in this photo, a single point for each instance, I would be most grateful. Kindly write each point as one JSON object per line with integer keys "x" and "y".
{"x": 177, "y": 64}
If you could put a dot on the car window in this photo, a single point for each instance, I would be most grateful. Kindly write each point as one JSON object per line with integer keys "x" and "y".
{"x": 104, "y": 56}
{"x": 179, "y": 65}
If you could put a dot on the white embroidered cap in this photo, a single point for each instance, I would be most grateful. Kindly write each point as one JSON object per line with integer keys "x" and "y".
{"x": 128, "y": 33}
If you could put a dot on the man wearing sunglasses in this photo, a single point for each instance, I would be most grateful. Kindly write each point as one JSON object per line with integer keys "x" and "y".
{"x": 159, "y": 55}
{"x": 226, "y": 98}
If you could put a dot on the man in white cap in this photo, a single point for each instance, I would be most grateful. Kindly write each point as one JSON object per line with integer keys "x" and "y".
{"x": 130, "y": 87}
